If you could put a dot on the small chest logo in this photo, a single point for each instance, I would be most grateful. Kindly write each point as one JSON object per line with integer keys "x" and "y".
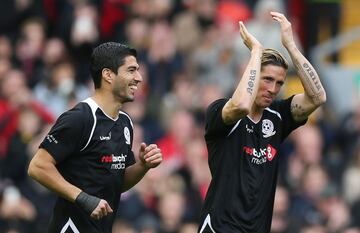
{"x": 267, "y": 128}
{"x": 105, "y": 138}
{"x": 127, "y": 135}
{"x": 249, "y": 129}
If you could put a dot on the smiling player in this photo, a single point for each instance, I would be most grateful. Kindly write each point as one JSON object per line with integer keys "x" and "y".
{"x": 87, "y": 157}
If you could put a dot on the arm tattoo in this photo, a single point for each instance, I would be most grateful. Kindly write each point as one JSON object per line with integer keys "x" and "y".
{"x": 312, "y": 76}
{"x": 251, "y": 82}
{"x": 298, "y": 111}
{"x": 310, "y": 80}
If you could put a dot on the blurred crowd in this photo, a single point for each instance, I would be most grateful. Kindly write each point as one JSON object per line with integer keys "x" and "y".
{"x": 190, "y": 53}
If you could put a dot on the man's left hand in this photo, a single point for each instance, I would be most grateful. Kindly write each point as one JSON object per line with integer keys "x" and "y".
{"x": 287, "y": 38}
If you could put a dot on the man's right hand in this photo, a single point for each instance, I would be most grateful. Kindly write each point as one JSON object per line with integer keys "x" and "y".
{"x": 249, "y": 40}
{"x": 94, "y": 206}
{"x": 102, "y": 209}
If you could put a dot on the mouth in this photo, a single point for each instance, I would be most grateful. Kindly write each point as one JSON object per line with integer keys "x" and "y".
{"x": 133, "y": 87}
{"x": 268, "y": 98}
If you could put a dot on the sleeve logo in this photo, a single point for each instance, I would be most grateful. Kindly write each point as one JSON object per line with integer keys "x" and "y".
{"x": 51, "y": 139}
{"x": 127, "y": 135}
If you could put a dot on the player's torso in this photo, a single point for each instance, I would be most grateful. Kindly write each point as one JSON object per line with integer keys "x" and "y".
{"x": 101, "y": 162}
{"x": 244, "y": 174}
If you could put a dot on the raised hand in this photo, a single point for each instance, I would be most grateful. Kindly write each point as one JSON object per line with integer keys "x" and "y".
{"x": 249, "y": 40}
{"x": 287, "y": 38}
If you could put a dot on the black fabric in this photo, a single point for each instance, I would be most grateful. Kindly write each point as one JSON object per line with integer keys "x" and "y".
{"x": 87, "y": 202}
{"x": 92, "y": 152}
{"x": 243, "y": 160}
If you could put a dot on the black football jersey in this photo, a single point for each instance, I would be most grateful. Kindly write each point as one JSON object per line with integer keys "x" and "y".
{"x": 243, "y": 160}
{"x": 92, "y": 151}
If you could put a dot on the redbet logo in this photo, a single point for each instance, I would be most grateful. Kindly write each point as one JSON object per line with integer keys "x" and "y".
{"x": 117, "y": 162}
{"x": 261, "y": 156}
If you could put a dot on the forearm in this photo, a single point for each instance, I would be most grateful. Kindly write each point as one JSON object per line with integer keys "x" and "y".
{"x": 47, "y": 175}
{"x": 246, "y": 90}
{"x": 133, "y": 174}
{"x": 308, "y": 76}
{"x": 244, "y": 95}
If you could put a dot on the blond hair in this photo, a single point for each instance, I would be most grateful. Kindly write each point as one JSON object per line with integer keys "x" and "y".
{"x": 273, "y": 57}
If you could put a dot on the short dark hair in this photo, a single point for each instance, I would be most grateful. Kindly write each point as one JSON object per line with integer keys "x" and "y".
{"x": 109, "y": 55}
{"x": 273, "y": 57}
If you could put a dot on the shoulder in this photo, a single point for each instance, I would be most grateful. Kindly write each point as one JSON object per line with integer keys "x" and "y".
{"x": 80, "y": 114}
{"x": 126, "y": 117}
{"x": 280, "y": 106}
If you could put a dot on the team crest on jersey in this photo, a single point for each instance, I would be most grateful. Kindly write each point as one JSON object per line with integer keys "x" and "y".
{"x": 267, "y": 128}
{"x": 127, "y": 135}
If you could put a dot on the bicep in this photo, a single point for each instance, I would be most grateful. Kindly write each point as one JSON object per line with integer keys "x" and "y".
{"x": 41, "y": 159}
{"x": 302, "y": 107}
{"x": 41, "y": 163}
{"x": 45, "y": 156}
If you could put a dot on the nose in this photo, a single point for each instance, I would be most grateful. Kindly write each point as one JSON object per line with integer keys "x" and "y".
{"x": 273, "y": 88}
{"x": 138, "y": 77}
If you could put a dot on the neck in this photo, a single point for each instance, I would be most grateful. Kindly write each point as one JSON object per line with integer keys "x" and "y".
{"x": 107, "y": 103}
{"x": 256, "y": 112}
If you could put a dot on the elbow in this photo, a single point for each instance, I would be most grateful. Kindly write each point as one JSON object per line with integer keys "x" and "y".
{"x": 31, "y": 169}
{"x": 317, "y": 99}
{"x": 241, "y": 108}
{"x": 321, "y": 99}
{"x": 34, "y": 170}
{"x": 233, "y": 112}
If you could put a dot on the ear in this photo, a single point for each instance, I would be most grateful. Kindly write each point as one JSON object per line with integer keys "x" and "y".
{"x": 106, "y": 74}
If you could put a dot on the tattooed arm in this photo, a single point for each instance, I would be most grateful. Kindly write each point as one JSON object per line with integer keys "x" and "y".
{"x": 304, "y": 104}
{"x": 242, "y": 99}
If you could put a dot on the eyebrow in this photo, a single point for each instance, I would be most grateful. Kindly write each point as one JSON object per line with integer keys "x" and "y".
{"x": 133, "y": 67}
{"x": 272, "y": 78}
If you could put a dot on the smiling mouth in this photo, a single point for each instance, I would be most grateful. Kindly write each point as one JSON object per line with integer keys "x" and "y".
{"x": 133, "y": 87}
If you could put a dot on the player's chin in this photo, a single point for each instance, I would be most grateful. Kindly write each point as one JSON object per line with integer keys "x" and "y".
{"x": 266, "y": 103}
{"x": 131, "y": 98}
{"x": 131, "y": 94}
{"x": 128, "y": 98}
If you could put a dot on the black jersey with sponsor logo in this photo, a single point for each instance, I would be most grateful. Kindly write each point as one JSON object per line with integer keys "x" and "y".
{"x": 243, "y": 160}
{"x": 92, "y": 151}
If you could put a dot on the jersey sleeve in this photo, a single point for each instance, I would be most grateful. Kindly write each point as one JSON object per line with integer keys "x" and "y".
{"x": 131, "y": 160}
{"x": 214, "y": 124}
{"x": 66, "y": 136}
{"x": 289, "y": 124}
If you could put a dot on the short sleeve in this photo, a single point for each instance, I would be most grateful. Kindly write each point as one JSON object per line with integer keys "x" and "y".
{"x": 131, "y": 157}
{"x": 214, "y": 124}
{"x": 131, "y": 160}
{"x": 66, "y": 136}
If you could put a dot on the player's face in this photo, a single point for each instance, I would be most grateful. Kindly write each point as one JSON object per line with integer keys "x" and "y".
{"x": 271, "y": 80}
{"x": 127, "y": 80}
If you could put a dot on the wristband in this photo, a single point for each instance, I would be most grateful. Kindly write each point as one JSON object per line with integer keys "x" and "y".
{"x": 87, "y": 202}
